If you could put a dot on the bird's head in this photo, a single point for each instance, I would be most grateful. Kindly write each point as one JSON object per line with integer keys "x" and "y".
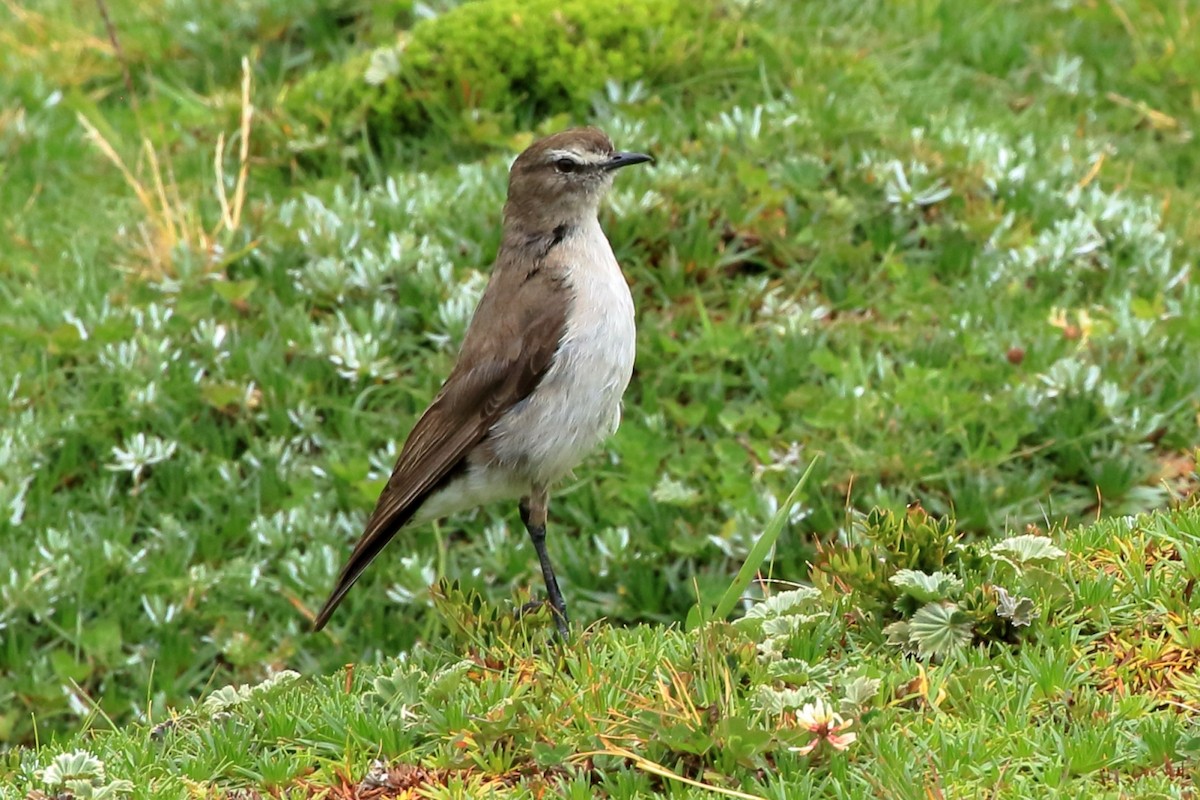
{"x": 563, "y": 177}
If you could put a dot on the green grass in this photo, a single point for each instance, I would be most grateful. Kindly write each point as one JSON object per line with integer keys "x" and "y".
{"x": 949, "y": 247}
{"x": 1087, "y": 706}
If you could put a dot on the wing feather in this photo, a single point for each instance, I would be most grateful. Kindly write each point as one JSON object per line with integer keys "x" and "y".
{"x": 510, "y": 344}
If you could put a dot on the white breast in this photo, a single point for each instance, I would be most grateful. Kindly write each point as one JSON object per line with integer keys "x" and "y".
{"x": 578, "y": 402}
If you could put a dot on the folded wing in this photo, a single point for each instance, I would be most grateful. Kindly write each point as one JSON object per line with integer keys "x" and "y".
{"x": 509, "y": 347}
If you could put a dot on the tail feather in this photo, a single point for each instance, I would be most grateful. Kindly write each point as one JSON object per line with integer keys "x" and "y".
{"x": 372, "y": 542}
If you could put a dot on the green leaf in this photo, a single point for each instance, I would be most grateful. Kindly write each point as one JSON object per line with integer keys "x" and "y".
{"x": 742, "y": 739}
{"x": 1050, "y": 585}
{"x": 899, "y": 634}
{"x": 223, "y": 394}
{"x": 549, "y": 756}
{"x": 1027, "y": 549}
{"x": 761, "y": 548}
{"x": 696, "y": 618}
{"x": 939, "y": 630}
{"x": 102, "y": 639}
{"x": 787, "y": 626}
{"x": 446, "y": 681}
{"x": 400, "y": 687}
{"x": 66, "y": 667}
{"x": 235, "y": 291}
{"x": 225, "y": 698}
{"x": 77, "y": 765}
{"x": 777, "y": 701}
{"x": 859, "y": 692}
{"x": 685, "y": 739}
{"x": 927, "y": 587}
{"x": 1190, "y": 746}
{"x": 65, "y": 338}
{"x": 797, "y": 600}
{"x": 796, "y": 671}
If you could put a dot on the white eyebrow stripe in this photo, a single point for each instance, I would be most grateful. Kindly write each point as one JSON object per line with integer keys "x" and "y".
{"x": 589, "y": 157}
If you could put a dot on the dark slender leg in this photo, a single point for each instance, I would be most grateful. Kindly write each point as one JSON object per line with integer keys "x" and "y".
{"x": 533, "y": 514}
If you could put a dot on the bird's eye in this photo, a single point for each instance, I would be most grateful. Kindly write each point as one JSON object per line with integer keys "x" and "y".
{"x": 565, "y": 165}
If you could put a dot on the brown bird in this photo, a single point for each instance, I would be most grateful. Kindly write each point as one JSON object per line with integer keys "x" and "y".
{"x": 540, "y": 375}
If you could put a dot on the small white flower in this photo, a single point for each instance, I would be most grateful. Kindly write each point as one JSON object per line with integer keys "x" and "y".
{"x": 385, "y": 64}
{"x": 140, "y": 451}
{"x": 674, "y": 492}
{"x": 356, "y": 355}
{"x": 908, "y": 194}
{"x": 455, "y": 311}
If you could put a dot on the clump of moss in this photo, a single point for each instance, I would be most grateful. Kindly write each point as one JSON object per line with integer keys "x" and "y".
{"x": 485, "y": 66}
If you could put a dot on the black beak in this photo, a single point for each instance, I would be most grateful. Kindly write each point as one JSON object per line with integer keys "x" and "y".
{"x": 618, "y": 160}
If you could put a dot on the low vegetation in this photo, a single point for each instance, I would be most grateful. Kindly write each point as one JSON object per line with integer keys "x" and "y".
{"x": 946, "y": 250}
{"x": 1083, "y": 684}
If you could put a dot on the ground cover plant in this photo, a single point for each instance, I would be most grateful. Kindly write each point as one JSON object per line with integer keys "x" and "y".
{"x": 947, "y": 247}
{"x": 1089, "y": 692}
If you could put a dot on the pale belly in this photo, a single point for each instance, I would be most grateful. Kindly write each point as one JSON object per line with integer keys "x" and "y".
{"x": 578, "y": 402}
{"x": 575, "y": 407}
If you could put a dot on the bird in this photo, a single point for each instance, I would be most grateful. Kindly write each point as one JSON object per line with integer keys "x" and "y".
{"x": 542, "y": 369}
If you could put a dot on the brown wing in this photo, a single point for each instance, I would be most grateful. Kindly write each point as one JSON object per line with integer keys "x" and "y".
{"x": 510, "y": 342}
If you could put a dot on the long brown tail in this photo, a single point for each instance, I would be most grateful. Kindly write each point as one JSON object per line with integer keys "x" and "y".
{"x": 376, "y": 537}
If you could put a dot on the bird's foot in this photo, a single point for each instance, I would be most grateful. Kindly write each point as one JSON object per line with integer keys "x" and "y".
{"x": 534, "y": 606}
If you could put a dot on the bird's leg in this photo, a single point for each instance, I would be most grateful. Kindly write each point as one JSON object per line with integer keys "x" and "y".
{"x": 533, "y": 514}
